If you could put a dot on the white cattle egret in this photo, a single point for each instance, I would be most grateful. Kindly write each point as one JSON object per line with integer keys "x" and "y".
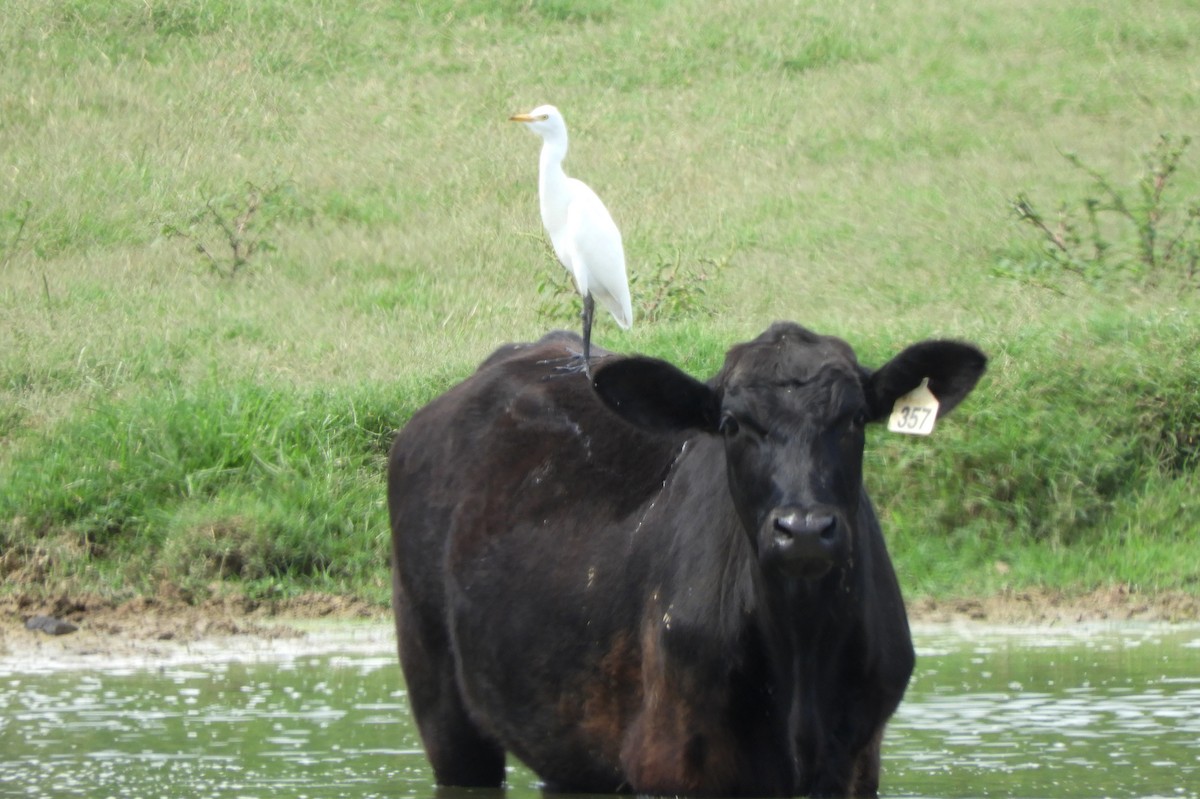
{"x": 582, "y": 232}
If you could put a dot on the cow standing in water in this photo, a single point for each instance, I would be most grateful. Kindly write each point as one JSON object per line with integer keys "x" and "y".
{"x": 651, "y": 583}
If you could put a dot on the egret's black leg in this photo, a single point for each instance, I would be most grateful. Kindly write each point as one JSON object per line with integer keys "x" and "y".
{"x": 579, "y": 362}
{"x": 589, "y": 307}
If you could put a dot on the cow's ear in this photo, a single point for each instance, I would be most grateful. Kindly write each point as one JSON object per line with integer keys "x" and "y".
{"x": 655, "y": 395}
{"x": 953, "y": 369}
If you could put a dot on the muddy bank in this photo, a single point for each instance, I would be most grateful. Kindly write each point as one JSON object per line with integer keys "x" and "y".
{"x": 149, "y": 626}
{"x": 1055, "y": 608}
{"x": 145, "y": 626}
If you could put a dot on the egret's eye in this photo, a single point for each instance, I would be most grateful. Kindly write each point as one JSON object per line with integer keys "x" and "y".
{"x": 729, "y": 425}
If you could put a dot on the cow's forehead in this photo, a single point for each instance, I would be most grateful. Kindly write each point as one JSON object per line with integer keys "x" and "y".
{"x": 789, "y": 355}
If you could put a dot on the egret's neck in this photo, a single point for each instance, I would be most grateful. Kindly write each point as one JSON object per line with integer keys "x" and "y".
{"x": 552, "y": 180}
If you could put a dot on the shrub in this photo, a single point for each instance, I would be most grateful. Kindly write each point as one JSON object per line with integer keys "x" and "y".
{"x": 1142, "y": 232}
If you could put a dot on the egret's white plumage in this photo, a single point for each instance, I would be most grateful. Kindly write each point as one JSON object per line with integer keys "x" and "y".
{"x": 582, "y": 232}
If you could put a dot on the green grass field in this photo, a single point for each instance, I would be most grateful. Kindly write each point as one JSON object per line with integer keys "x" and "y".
{"x": 241, "y": 242}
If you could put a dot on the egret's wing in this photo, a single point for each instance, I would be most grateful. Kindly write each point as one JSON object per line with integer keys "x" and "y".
{"x": 597, "y": 254}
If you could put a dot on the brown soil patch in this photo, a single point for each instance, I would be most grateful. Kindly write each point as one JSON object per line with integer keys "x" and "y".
{"x": 141, "y": 624}
{"x": 1042, "y": 607}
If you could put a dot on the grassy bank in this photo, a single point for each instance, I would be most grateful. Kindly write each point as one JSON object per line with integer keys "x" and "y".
{"x": 241, "y": 243}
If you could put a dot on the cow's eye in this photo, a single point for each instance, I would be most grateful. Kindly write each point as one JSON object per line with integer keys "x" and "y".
{"x": 860, "y": 418}
{"x": 729, "y": 424}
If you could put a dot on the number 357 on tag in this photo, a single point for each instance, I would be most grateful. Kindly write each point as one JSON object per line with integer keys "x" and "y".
{"x": 915, "y": 412}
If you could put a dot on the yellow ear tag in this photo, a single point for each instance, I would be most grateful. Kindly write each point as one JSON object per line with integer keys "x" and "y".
{"x": 915, "y": 412}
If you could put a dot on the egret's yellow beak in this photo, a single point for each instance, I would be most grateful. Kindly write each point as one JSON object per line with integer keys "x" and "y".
{"x": 527, "y": 118}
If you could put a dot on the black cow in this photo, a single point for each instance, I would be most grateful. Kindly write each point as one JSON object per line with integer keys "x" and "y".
{"x": 655, "y": 584}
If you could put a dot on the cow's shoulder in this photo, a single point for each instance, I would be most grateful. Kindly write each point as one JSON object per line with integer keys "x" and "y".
{"x": 523, "y": 434}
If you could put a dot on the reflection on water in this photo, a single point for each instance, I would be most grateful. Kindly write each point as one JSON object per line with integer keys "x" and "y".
{"x": 1087, "y": 713}
{"x": 278, "y": 721}
{"x": 1094, "y": 712}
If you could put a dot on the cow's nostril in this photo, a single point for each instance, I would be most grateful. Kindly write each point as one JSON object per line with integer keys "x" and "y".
{"x": 790, "y": 525}
{"x": 785, "y": 529}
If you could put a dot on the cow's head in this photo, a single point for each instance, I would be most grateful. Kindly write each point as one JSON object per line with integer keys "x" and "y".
{"x": 792, "y": 407}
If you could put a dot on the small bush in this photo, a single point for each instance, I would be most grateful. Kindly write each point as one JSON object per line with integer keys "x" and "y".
{"x": 1142, "y": 232}
{"x": 232, "y": 229}
{"x": 671, "y": 289}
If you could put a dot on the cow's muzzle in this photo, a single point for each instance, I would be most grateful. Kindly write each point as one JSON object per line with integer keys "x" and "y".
{"x": 804, "y": 542}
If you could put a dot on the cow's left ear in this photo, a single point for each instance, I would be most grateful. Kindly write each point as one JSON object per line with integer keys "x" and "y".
{"x": 953, "y": 369}
{"x": 655, "y": 395}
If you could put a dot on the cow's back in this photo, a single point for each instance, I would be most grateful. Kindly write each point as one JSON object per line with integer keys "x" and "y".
{"x": 511, "y": 498}
{"x": 518, "y": 439}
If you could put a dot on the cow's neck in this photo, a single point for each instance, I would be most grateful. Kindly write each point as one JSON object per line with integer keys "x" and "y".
{"x": 806, "y": 621}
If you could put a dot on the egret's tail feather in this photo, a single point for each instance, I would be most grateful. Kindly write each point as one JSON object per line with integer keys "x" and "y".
{"x": 621, "y": 309}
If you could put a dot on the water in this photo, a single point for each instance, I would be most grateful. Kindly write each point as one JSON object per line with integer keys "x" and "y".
{"x": 1093, "y": 712}
{"x": 1085, "y": 713}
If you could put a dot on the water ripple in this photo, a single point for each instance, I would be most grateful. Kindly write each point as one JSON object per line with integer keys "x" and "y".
{"x": 1083, "y": 712}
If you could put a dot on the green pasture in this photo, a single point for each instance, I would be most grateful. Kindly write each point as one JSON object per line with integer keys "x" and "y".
{"x": 241, "y": 242}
